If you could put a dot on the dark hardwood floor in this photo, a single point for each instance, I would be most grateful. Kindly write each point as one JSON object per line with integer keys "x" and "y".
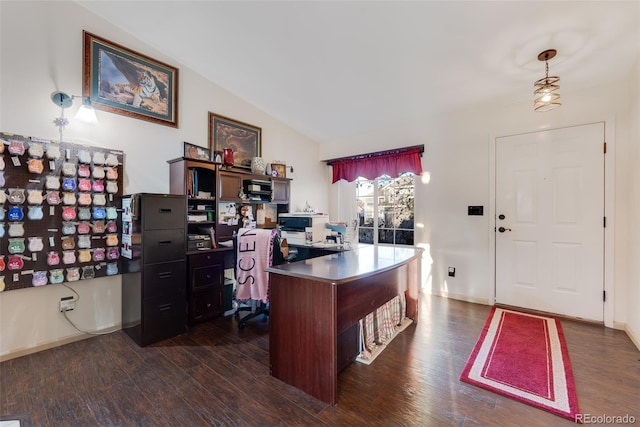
{"x": 215, "y": 375}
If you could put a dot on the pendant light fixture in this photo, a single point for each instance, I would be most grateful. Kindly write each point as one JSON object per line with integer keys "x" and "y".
{"x": 546, "y": 97}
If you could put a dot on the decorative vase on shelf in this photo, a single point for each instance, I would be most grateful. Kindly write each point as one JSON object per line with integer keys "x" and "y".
{"x": 228, "y": 157}
{"x": 258, "y": 165}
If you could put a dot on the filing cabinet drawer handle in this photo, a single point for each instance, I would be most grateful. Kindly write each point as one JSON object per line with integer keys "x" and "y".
{"x": 165, "y": 307}
{"x": 164, "y": 242}
{"x": 165, "y": 210}
{"x": 165, "y": 275}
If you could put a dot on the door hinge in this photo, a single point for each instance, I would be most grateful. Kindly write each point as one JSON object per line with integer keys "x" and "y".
{"x": 605, "y": 148}
{"x": 604, "y": 222}
{"x": 604, "y": 296}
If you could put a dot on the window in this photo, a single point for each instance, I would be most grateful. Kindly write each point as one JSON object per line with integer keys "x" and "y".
{"x": 386, "y": 209}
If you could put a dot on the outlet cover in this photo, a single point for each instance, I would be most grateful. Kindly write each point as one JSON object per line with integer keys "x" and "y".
{"x": 67, "y": 304}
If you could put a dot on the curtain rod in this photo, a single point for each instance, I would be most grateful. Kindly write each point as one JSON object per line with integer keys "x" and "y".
{"x": 376, "y": 153}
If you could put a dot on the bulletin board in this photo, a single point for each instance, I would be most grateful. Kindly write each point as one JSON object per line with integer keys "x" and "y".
{"x": 60, "y": 216}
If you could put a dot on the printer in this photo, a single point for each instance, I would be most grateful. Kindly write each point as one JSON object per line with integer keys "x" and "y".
{"x": 302, "y": 228}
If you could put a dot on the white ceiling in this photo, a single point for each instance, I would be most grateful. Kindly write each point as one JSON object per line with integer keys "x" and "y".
{"x": 342, "y": 68}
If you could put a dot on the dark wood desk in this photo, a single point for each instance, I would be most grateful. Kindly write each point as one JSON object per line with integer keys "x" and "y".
{"x": 315, "y": 306}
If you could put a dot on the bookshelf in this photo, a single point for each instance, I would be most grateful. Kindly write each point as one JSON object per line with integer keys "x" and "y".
{"x": 216, "y": 198}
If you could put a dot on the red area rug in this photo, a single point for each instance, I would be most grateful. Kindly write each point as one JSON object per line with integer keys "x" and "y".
{"x": 524, "y": 356}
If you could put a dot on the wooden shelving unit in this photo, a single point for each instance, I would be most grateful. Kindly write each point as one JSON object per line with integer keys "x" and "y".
{"x": 215, "y": 197}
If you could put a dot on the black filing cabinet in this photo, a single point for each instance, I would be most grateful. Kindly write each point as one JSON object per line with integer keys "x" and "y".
{"x": 154, "y": 301}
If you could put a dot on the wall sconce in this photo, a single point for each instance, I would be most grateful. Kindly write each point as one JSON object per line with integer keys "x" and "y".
{"x": 546, "y": 97}
{"x": 85, "y": 113}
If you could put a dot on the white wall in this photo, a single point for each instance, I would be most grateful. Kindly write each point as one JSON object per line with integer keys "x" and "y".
{"x": 41, "y": 52}
{"x": 458, "y": 157}
{"x": 633, "y": 295}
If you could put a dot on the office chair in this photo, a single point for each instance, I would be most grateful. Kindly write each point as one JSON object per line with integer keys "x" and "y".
{"x": 257, "y": 307}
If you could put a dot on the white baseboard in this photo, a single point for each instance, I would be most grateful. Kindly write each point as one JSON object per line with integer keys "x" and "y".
{"x": 620, "y": 326}
{"x": 466, "y": 298}
{"x": 634, "y": 338}
{"x": 56, "y": 343}
{"x": 616, "y": 325}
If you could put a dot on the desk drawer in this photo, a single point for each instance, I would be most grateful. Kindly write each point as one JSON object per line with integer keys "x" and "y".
{"x": 207, "y": 258}
{"x": 207, "y": 277}
{"x": 206, "y": 305}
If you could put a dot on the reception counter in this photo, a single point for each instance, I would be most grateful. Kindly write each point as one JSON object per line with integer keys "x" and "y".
{"x": 315, "y": 306}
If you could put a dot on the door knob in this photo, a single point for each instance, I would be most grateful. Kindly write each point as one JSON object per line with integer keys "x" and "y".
{"x": 502, "y": 229}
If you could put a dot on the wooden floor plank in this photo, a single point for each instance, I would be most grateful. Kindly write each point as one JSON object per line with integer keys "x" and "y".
{"x": 218, "y": 375}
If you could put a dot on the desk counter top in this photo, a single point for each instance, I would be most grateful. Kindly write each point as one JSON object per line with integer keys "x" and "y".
{"x": 349, "y": 265}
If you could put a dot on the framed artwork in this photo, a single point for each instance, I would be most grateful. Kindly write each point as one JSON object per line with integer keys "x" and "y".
{"x": 121, "y": 81}
{"x": 244, "y": 139}
{"x": 196, "y": 152}
{"x": 279, "y": 169}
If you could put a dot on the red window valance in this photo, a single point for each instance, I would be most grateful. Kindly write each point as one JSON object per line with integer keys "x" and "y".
{"x": 373, "y": 165}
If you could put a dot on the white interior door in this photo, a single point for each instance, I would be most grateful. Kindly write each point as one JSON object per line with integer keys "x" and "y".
{"x": 549, "y": 221}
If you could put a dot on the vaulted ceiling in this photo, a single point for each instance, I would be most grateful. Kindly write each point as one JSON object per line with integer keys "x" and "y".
{"x": 342, "y": 68}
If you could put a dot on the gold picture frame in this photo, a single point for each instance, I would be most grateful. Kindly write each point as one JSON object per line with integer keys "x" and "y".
{"x": 192, "y": 151}
{"x": 279, "y": 170}
{"x": 244, "y": 139}
{"x": 122, "y": 81}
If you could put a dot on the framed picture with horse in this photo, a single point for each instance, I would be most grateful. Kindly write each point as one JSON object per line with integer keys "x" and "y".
{"x": 121, "y": 81}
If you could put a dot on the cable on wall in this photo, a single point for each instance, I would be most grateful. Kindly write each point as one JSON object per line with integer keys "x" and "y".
{"x": 64, "y": 313}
